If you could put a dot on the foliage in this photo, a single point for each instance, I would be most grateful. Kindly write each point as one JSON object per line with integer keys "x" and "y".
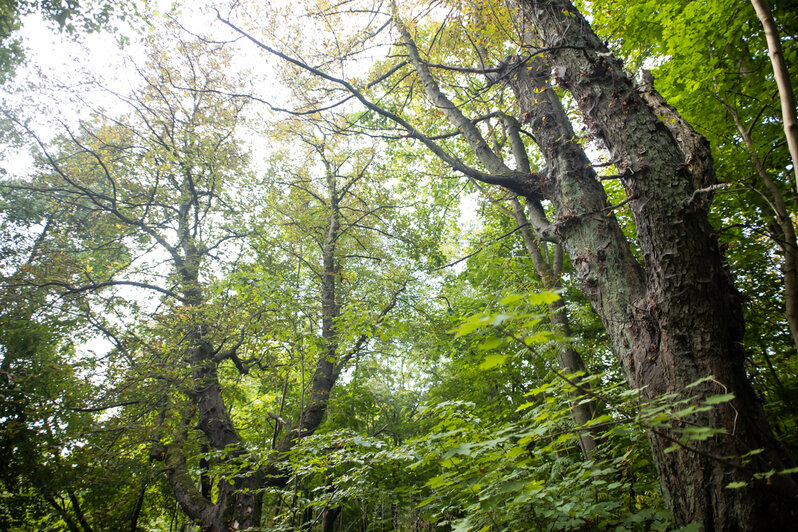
{"x": 378, "y": 340}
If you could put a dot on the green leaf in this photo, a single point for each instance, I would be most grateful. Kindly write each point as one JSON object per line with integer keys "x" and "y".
{"x": 600, "y": 419}
{"x": 516, "y": 451}
{"x": 544, "y": 298}
{"x": 699, "y": 381}
{"x": 512, "y": 300}
{"x": 490, "y": 344}
{"x": 736, "y": 485}
{"x": 491, "y": 361}
{"x": 470, "y": 325}
{"x": 717, "y": 399}
{"x": 702, "y": 433}
{"x": 463, "y": 449}
{"x": 425, "y": 502}
{"x": 438, "y": 482}
{"x": 499, "y": 319}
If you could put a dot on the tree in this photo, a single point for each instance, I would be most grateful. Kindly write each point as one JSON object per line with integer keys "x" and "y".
{"x": 673, "y": 317}
{"x": 56, "y": 463}
{"x": 328, "y": 220}
{"x": 160, "y": 178}
{"x": 718, "y": 80}
{"x": 782, "y": 77}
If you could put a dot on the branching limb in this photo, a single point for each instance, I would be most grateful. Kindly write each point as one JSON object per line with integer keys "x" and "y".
{"x": 511, "y": 180}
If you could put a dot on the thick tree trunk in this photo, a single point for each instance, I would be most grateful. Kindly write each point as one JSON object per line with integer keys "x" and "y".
{"x": 235, "y": 500}
{"x": 682, "y": 321}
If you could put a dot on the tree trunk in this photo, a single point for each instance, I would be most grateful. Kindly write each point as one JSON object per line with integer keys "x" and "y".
{"x": 325, "y": 375}
{"x": 786, "y": 95}
{"x": 569, "y": 360}
{"x": 235, "y": 501}
{"x": 674, "y": 319}
{"x": 134, "y": 517}
{"x": 681, "y": 319}
{"x": 328, "y": 521}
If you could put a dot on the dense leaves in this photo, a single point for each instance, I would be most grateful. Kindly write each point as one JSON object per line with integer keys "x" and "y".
{"x": 236, "y": 307}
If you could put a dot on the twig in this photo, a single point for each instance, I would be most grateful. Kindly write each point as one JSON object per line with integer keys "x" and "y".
{"x": 490, "y": 243}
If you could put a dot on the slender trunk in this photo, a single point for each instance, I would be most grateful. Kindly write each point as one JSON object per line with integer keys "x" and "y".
{"x": 569, "y": 360}
{"x": 71, "y": 524}
{"x": 682, "y": 321}
{"x": 134, "y": 517}
{"x": 324, "y": 378}
{"x": 787, "y": 239}
{"x": 325, "y": 374}
{"x": 84, "y": 524}
{"x": 786, "y": 95}
{"x": 328, "y": 521}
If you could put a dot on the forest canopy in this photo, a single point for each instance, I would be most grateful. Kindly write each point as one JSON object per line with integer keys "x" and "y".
{"x": 367, "y": 265}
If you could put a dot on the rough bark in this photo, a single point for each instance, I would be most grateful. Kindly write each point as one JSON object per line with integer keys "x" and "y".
{"x": 695, "y": 147}
{"x": 680, "y": 322}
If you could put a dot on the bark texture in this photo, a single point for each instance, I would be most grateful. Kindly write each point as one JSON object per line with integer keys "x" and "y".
{"x": 235, "y": 501}
{"x": 676, "y": 319}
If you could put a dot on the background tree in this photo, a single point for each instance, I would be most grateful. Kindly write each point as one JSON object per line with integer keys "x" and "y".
{"x": 157, "y": 182}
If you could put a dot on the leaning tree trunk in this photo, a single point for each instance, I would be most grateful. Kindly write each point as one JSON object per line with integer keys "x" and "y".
{"x": 681, "y": 320}
{"x": 782, "y": 76}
